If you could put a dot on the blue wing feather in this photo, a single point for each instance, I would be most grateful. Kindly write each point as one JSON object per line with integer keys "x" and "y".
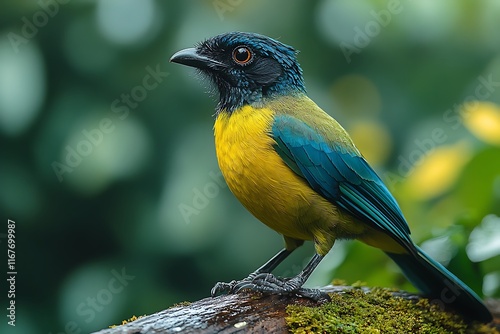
{"x": 341, "y": 176}
{"x": 344, "y": 178}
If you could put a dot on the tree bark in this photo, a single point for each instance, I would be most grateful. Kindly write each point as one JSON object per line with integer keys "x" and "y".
{"x": 240, "y": 313}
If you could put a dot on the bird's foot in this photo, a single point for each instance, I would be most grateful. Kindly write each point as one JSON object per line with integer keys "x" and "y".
{"x": 233, "y": 286}
{"x": 225, "y": 288}
{"x": 270, "y": 284}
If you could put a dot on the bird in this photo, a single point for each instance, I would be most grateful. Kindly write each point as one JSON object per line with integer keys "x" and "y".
{"x": 297, "y": 170}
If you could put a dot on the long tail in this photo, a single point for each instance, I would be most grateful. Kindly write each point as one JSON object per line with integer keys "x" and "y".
{"x": 440, "y": 285}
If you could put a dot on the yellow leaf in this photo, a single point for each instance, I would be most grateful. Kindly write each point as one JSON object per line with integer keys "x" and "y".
{"x": 438, "y": 171}
{"x": 483, "y": 120}
{"x": 373, "y": 141}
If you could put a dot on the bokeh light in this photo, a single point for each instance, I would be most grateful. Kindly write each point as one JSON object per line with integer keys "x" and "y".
{"x": 485, "y": 240}
{"x": 415, "y": 83}
{"x": 438, "y": 171}
{"x": 373, "y": 141}
{"x": 104, "y": 157}
{"x": 126, "y": 22}
{"x": 356, "y": 96}
{"x": 483, "y": 120}
{"x": 22, "y": 87}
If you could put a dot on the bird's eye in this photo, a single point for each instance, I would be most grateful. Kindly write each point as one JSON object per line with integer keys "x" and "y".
{"x": 242, "y": 55}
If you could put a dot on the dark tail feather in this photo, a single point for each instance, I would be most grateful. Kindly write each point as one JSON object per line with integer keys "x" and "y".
{"x": 440, "y": 285}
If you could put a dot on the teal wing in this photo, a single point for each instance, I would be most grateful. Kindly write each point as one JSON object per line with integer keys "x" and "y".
{"x": 340, "y": 175}
{"x": 337, "y": 172}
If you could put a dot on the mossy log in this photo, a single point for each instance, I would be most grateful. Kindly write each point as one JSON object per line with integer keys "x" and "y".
{"x": 352, "y": 310}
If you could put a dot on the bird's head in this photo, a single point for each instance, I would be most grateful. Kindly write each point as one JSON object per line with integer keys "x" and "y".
{"x": 246, "y": 68}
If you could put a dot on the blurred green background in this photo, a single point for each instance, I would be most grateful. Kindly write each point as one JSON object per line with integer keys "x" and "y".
{"x": 108, "y": 165}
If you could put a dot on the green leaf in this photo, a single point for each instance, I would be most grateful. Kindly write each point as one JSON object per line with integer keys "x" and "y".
{"x": 476, "y": 188}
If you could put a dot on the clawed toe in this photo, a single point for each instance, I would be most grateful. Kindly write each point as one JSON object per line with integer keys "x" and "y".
{"x": 223, "y": 288}
{"x": 268, "y": 283}
{"x": 231, "y": 287}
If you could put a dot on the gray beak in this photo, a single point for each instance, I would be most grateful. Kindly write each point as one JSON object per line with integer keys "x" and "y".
{"x": 191, "y": 57}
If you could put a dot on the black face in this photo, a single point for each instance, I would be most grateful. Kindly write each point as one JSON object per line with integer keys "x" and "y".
{"x": 245, "y": 68}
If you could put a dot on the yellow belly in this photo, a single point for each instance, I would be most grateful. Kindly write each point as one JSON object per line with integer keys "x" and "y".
{"x": 274, "y": 194}
{"x": 268, "y": 188}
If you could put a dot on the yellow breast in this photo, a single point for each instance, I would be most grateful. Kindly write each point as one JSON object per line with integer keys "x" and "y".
{"x": 260, "y": 179}
{"x": 273, "y": 193}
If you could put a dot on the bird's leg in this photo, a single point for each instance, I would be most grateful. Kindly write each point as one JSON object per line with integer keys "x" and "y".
{"x": 235, "y": 286}
{"x": 268, "y": 283}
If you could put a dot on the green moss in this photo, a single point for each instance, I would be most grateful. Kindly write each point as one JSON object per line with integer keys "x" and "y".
{"x": 339, "y": 281}
{"x": 181, "y": 304}
{"x": 377, "y": 311}
{"x": 133, "y": 318}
